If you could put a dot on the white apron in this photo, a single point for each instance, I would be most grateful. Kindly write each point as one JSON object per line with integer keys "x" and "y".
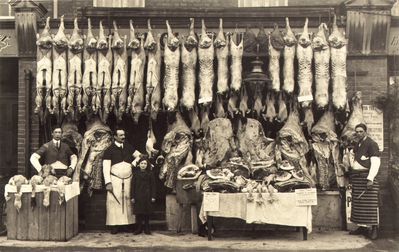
{"x": 120, "y": 214}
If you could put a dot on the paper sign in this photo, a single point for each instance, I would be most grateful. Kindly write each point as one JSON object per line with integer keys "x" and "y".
{"x": 305, "y": 98}
{"x": 306, "y": 197}
{"x": 205, "y": 100}
{"x": 72, "y": 190}
{"x": 211, "y": 201}
{"x": 374, "y": 119}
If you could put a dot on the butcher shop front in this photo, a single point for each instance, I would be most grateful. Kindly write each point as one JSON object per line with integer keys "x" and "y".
{"x": 246, "y": 113}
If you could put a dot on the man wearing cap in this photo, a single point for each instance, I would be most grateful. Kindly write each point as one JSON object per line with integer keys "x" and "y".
{"x": 364, "y": 185}
{"x": 57, "y": 154}
{"x": 117, "y": 170}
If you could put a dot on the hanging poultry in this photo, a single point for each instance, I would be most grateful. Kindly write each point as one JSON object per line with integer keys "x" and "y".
{"x": 289, "y": 56}
{"x": 338, "y": 43}
{"x": 44, "y": 69}
{"x": 222, "y": 53}
{"x": 89, "y": 82}
{"x": 243, "y": 107}
{"x": 151, "y": 141}
{"x": 276, "y": 44}
{"x": 219, "y": 109}
{"x": 206, "y": 74}
{"x": 75, "y": 47}
{"x": 270, "y": 114}
{"x": 136, "y": 87}
{"x": 322, "y": 66}
{"x": 189, "y": 62}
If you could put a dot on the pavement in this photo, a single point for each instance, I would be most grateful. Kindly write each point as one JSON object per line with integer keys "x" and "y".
{"x": 270, "y": 240}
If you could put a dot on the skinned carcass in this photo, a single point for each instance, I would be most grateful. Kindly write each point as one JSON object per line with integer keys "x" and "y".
{"x": 289, "y": 56}
{"x": 89, "y": 82}
{"x": 34, "y": 181}
{"x": 348, "y": 135}
{"x": 136, "y": 87}
{"x": 75, "y": 47}
{"x": 276, "y": 44}
{"x": 177, "y": 149}
{"x": 44, "y": 69}
{"x": 222, "y": 53}
{"x": 48, "y": 181}
{"x": 59, "y": 80}
{"x": 206, "y": 74}
{"x": 18, "y": 181}
{"x": 189, "y": 62}
{"x": 304, "y": 53}
{"x": 322, "y": 66}
{"x": 171, "y": 79}
{"x": 236, "y": 51}
{"x": 119, "y": 75}
{"x": 61, "y": 183}
{"x": 338, "y": 43}
{"x": 151, "y": 141}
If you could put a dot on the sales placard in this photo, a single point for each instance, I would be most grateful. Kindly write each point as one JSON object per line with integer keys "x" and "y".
{"x": 306, "y": 197}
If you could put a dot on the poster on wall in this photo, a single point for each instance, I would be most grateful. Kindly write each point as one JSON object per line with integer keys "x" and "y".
{"x": 374, "y": 119}
{"x": 8, "y": 43}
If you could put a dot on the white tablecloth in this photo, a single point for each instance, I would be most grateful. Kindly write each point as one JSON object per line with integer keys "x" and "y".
{"x": 279, "y": 209}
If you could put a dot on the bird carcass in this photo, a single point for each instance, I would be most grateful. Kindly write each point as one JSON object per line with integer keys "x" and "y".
{"x": 289, "y": 56}
{"x": 206, "y": 74}
{"x": 119, "y": 75}
{"x": 59, "y": 82}
{"x": 75, "y": 47}
{"x": 338, "y": 43}
{"x": 222, "y": 53}
{"x": 172, "y": 61}
{"x": 89, "y": 82}
{"x": 44, "y": 45}
{"x": 348, "y": 135}
{"x": 136, "y": 87}
{"x": 322, "y": 66}
{"x": 189, "y": 62}
{"x": 276, "y": 44}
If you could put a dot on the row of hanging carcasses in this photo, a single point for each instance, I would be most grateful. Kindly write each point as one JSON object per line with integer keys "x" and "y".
{"x": 104, "y": 87}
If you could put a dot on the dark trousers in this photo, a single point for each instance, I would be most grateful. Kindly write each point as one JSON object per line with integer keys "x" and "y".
{"x": 143, "y": 219}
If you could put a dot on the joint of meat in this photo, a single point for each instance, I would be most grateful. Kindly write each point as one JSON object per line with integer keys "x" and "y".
{"x": 205, "y": 40}
{"x": 102, "y": 43}
{"x": 117, "y": 42}
{"x": 322, "y": 66}
{"x": 18, "y": 181}
{"x": 137, "y": 78}
{"x": 91, "y": 41}
{"x": 220, "y": 40}
{"x": 263, "y": 39}
{"x": 249, "y": 40}
{"x": 276, "y": 43}
{"x": 336, "y": 39}
{"x": 289, "y": 56}
{"x": 277, "y": 39}
{"x": 60, "y": 41}
{"x": 282, "y": 114}
{"x": 304, "y": 54}
{"x": 222, "y": 52}
{"x": 153, "y": 84}
{"x": 172, "y": 42}
{"x": 150, "y": 43}
{"x": 134, "y": 42}
{"x": 75, "y": 42}
{"x": 102, "y": 88}
{"x": 61, "y": 183}
{"x": 348, "y": 135}
{"x": 236, "y": 52}
{"x": 44, "y": 40}
{"x": 191, "y": 41}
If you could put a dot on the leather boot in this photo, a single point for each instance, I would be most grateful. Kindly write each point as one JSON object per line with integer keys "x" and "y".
{"x": 358, "y": 231}
{"x": 114, "y": 229}
{"x": 373, "y": 233}
{"x": 147, "y": 224}
{"x": 139, "y": 224}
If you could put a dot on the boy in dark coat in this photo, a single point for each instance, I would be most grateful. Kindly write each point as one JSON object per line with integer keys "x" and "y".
{"x": 143, "y": 194}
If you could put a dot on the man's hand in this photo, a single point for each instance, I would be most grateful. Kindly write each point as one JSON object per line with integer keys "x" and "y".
{"x": 133, "y": 201}
{"x": 369, "y": 184}
{"x": 69, "y": 172}
{"x": 152, "y": 200}
{"x": 109, "y": 187}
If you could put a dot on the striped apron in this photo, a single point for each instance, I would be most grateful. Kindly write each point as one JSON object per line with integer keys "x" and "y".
{"x": 364, "y": 202}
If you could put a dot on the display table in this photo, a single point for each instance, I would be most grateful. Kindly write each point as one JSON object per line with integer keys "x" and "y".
{"x": 279, "y": 209}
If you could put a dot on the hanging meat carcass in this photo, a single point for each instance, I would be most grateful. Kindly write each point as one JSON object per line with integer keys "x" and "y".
{"x": 134, "y": 46}
{"x": 236, "y": 51}
{"x": 322, "y": 66}
{"x": 219, "y": 109}
{"x": 75, "y": 47}
{"x": 243, "y": 107}
{"x": 96, "y": 140}
{"x": 119, "y": 75}
{"x": 326, "y": 151}
{"x": 338, "y": 43}
{"x": 262, "y": 39}
{"x": 71, "y": 136}
{"x": 276, "y": 44}
{"x": 292, "y": 145}
{"x": 206, "y": 74}
{"x": 249, "y": 40}
{"x": 348, "y": 135}
{"x": 172, "y": 61}
{"x": 89, "y": 82}
{"x": 282, "y": 114}
{"x": 289, "y": 56}
{"x": 222, "y": 53}
{"x": 257, "y": 105}
{"x": 304, "y": 54}
{"x": 176, "y": 146}
{"x": 44, "y": 69}
{"x": 189, "y": 62}
{"x": 136, "y": 87}
{"x": 270, "y": 108}
{"x": 59, "y": 70}
{"x": 17, "y": 181}
{"x": 151, "y": 141}
{"x": 153, "y": 85}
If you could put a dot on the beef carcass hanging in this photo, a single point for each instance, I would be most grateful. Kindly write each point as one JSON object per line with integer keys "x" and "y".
{"x": 119, "y": 75}
{"x": 189, "y": 62}
{"x": 151, "y": 141}
{"x": 222, "y": 53}
{"x": 136, "y": 87}
{"x": 304, "y": 53}
{"x": 89, "y": 82}
{"x": 338, "y": 43}
{"x": 322, "y": 66}
{"x": 59, "y": 69}
{"x": 236, "y": 51}
{"x": 276, "y": 44}
{"x": 153, "y": 97}
{"x": 75, "y": 47}
{"x": 206, "y": 74}
{"x": 348, "y": 135}
{"x": 171, "y": 79}
{"x": 289, "y": 56}
{"x": 44, "y": 69}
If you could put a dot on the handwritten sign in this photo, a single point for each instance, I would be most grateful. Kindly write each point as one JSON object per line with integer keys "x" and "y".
{"x": 306, "y": 197}
{"x": 205, "y": 100}
{"x": 374, "y": 119}
{"x": 71, "y": 190}
{"x": 304, "y": 98}
{"x": 211, "y": 201}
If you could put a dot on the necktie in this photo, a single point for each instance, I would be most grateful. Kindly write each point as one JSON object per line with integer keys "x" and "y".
{"x": 121, "y": 146}
{"x": 58, "y": 145}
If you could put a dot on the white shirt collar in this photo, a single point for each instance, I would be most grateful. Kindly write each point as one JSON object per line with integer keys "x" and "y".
{"x": 118, "y": 144}
{"x": 56, "y": 141}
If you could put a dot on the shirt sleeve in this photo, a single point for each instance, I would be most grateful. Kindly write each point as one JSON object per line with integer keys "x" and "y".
{"x": 41, "y": 152}
{"x": 374, "y": 168}
{"x": 374, "y": 150}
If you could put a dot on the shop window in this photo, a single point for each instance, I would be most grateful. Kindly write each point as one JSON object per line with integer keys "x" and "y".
{"x": 5, "y": 10}
{"x": 262, "y": 3}
{"x": 119, "y": 3}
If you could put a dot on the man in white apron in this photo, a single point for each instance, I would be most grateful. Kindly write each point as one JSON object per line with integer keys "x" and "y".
{"x": 57, "y": 154}
{"x": 117, "y": 169}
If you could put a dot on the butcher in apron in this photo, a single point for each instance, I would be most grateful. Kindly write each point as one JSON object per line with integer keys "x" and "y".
{"x": 57, "y": 154}
{"x": 117, "y": 169}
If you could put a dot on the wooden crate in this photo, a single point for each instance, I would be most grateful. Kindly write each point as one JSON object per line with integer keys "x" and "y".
{"x": 54, "y": 223}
